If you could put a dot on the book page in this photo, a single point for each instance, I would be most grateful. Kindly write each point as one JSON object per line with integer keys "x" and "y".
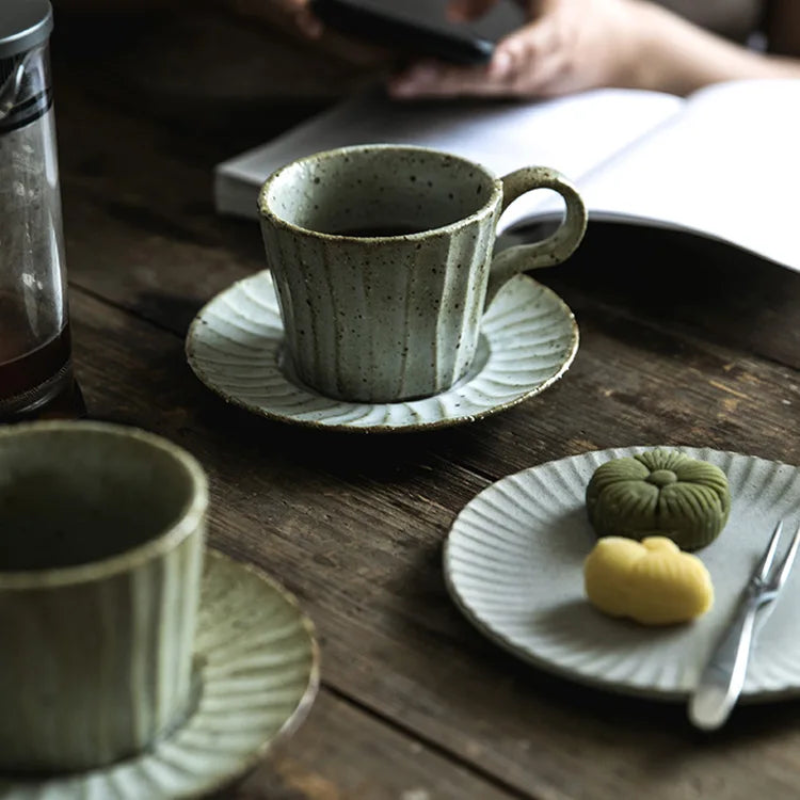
{"x": 572, "y": 134}
{"x": 728, "y": 167}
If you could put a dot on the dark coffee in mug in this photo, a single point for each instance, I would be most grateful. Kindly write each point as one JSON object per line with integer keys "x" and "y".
{"x": 379, "y": 231}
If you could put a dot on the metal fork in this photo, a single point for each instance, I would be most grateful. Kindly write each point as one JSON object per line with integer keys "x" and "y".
{"x": 723, "y": 677}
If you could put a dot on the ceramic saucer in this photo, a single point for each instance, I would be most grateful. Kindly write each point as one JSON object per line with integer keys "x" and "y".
{"x": 529, "y": 338}
{"x": 514, "y": 565}
{"x": 257, "y": 675}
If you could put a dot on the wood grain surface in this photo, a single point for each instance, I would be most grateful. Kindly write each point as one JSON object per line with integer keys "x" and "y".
{"x": 682, "y": 342}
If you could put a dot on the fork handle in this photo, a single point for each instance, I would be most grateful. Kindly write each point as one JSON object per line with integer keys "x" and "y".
{"x": 723, "y": 677}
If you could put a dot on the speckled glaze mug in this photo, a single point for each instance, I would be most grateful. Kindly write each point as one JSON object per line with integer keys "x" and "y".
{"x": 102, "y": 533}
{"x": 382, "y": 258}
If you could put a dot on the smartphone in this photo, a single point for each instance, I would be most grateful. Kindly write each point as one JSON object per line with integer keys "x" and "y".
{"x": 421, "y": 31}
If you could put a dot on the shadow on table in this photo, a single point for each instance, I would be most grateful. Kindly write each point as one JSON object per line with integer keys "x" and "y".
{"x": 374, "y": 455}
{"x": 170, "y": 400}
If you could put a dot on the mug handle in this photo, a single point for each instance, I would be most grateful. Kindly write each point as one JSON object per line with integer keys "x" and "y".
{"x": 550, "y": 251}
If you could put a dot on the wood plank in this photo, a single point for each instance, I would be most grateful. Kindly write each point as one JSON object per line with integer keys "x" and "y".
{"x": 343, "y": 753}
{"x": 363, "y": 553}
{"x": 662, "y": 389}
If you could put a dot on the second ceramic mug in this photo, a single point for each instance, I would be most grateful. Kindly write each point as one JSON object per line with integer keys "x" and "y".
{"x": 382, "y": 259}
{"x": 102, "y": 533}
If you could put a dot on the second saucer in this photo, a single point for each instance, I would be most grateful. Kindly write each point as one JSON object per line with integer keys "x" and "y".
{"x": 257, "y": 675}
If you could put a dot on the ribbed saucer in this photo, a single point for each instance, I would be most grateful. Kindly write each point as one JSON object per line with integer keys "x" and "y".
{"x": 258, "y": 673}
{"x": 529, "y": 338}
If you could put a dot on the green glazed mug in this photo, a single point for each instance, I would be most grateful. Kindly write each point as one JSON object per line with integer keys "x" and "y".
{"x": 102, "y": 534}
{"x": 382, "y": 257}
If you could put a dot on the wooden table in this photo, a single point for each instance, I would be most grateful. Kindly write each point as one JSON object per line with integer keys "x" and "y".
{"x": 681, "y": 343}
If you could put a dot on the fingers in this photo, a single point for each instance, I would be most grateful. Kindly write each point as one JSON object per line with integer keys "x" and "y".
{"x": 432, "y": 79}
{"x": 466, "y": 10}
{"x": 522, "y": 64}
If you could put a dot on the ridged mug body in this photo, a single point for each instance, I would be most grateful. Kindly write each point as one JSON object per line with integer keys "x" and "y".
{"x": 97, "y": 652}
{"x": 382, "y": 322}
{"x": 381, "y": 318}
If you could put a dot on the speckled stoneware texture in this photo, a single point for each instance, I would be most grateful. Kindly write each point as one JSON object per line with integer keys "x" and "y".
{"x": 394, "y": 317}
{"x": 101, "y": 546}
{"x": 256, "y": 676}
{"x": 235, "y": 345}
{"x": 514, "y": 565}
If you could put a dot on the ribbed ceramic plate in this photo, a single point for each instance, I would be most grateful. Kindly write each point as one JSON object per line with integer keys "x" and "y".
{"x": 235, "y": 346}
{"x": 514, "y": 565}
{"x": 258, "y": 675}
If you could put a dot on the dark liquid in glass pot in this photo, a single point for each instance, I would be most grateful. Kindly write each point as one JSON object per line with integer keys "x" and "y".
{"x": 39, "y": 383}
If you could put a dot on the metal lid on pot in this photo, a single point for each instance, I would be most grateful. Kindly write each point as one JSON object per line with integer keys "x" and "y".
{"x": 25, "y": 94}
{"x": 23, "y": 25}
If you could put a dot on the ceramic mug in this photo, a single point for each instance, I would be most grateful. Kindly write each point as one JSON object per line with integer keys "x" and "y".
{"x": 382, "y": 259}
{"x": 102, "y": 533}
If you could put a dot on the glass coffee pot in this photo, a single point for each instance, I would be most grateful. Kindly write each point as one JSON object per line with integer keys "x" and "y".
{"x": 35, "y": 356}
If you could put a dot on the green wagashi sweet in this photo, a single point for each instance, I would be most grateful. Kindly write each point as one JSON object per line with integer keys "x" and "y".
{"x": 659, "y": 493}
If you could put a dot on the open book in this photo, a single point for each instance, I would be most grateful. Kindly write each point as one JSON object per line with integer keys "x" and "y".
{"x": 724, "y": 163}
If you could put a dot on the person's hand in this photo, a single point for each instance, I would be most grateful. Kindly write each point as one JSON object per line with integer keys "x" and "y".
{"x": 567, "y": 46}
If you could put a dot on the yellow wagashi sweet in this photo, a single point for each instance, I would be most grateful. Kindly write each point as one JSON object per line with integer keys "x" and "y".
{"x": 652, "y": 581}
